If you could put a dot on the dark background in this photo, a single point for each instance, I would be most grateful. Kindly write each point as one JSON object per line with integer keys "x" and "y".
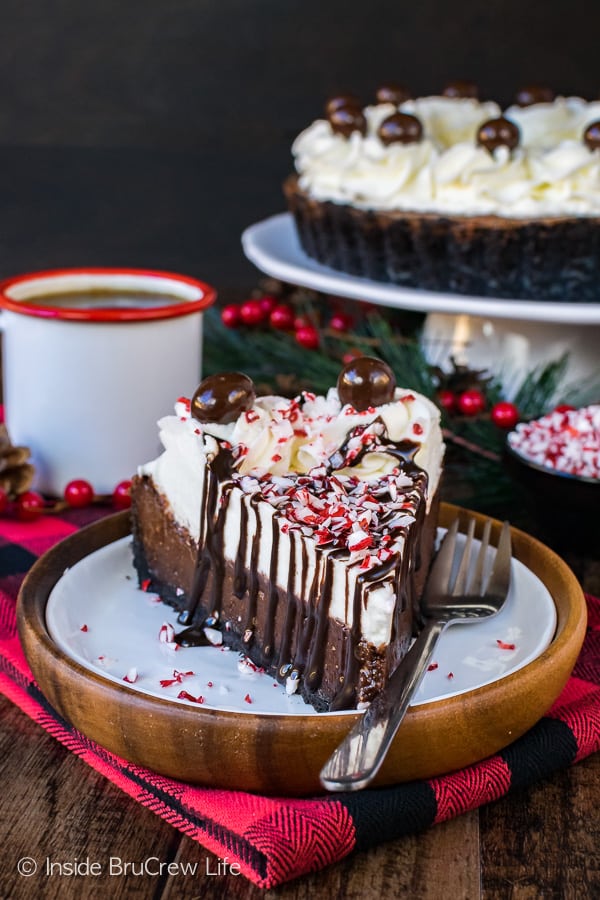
{"x": 150, "y": 134}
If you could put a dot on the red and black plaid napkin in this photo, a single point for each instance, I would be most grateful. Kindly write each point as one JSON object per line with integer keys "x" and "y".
{"x": 277, "y": 839}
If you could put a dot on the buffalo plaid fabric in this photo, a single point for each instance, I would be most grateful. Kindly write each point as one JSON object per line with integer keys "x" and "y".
{"x": 277, "y": 839}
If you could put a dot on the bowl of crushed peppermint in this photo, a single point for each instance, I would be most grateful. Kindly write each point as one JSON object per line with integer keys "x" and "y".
{"x": 556, "y": 461}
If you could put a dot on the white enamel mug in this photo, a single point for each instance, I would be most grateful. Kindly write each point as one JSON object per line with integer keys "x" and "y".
{"x": 92, "y": 358}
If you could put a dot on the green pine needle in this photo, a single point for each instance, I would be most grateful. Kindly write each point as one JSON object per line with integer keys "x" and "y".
{"x": 475, "y": 470}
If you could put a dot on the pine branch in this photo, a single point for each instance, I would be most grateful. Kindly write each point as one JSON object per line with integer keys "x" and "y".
{"x": 540, "y": 389}
{"x": 471, "y": 446}
{"x": 475, "y": 474}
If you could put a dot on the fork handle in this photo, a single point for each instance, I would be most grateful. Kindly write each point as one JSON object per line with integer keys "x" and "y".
{"x": 356, "y": 761}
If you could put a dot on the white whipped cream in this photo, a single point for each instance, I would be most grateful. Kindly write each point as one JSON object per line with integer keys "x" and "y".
{"x": 279, "y": 436}
{"x": 546, "y": 125}
{"x": 550, "y": 173}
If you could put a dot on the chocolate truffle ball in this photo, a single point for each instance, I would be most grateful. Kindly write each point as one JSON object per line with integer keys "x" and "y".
{"x": 366, "y": 381}
{"x": 400, "y": 128}
{"x": 222, "y": 398}
{"x": 499, "y": 132}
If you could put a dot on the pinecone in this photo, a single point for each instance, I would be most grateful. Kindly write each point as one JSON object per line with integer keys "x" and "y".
{"x": 460, "y": 378}
{"x": 16, "y": 473}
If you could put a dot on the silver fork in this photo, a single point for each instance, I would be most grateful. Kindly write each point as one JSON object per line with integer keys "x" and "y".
{"x": 447, "y": 599}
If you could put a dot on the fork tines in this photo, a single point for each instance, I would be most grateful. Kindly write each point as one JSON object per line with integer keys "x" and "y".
{"x": 486, "y": 576}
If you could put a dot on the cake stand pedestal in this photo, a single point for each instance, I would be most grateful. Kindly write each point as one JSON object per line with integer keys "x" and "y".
{"x": 508, "y": 338}
{"x": 510, "y": 348}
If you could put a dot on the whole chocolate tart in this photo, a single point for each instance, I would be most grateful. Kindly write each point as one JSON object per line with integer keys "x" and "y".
{"x": 487, "y": 256}
{"x": 453, "y": 195}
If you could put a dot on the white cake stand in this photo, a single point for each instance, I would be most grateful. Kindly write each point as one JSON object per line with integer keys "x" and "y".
{"x": 506, "y": 337}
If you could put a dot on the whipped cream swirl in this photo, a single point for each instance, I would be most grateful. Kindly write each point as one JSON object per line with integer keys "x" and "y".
{"x": 277, "y": 437}
{"x": 551, "y": 173}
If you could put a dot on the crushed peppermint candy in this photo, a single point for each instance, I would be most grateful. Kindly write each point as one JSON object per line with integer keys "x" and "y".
{"x": 214, "y": 636}
{"x": 365, "y": 515}
{"x": 504, "y": 646}
{"x": 292, "y": 682}
{"x": 184, "y": 695}
{"x": 245, "y": 666}
{"x": 566, "y": 440}
{"x": 166, "y": 634}
{"x": 132, "y": 675}
{"x": 176, "y": 679}
{"x": 367, "y": 519}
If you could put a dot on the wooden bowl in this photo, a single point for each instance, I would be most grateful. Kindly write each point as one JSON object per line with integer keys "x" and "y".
{"x": 283, "y": 754}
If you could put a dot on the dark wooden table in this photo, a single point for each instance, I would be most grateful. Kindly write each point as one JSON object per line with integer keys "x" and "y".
{"x": 538, "y": 843}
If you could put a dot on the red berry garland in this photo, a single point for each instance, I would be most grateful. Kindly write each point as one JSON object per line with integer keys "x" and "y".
{"x": 122, "y": 495}
{"x": 29, "y": 506}
{"x": 79, "y": 493}
{"x": 505, "y": 414}
{"x": 267, "y": 304}
{"x": 341, "y": 321}
{"x": 350, "y": 355}
{"x": 282, "y": 317}
{"x": 308, "y": 336}
{"x": 447, "y": 401}
{"x": 230, "y": 316}
{"x": 252, "y": 312}
{"x": 471, "y": 402}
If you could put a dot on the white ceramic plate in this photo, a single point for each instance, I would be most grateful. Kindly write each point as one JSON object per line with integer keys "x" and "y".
{"x": 273, "y": 246}
{"x": 98, "y": 617}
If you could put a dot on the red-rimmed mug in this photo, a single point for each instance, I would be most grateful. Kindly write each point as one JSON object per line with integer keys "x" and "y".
{"x": 92, "y": 358}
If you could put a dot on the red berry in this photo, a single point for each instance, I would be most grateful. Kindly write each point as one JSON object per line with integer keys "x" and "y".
{"x": 3, "y": 500}
{"x": 252, "y": 313}
{"x": 350, "y": 355}
{"x": 122, "y": 495}
{"x": 282, "y": 317}
{"x": 267, "y": 304}
{"x": 230, "y": 315}
{"x": 30, "y": 506}
{"x": 471, "y": 402}
{"x": 308, "y": 337}
{"x": 79, "y": 493}
{"x": 301, "y": 322}
{"x": 341, "y": 321}
{"x": 447, "y": 400}
{"x": 504, "y": 414}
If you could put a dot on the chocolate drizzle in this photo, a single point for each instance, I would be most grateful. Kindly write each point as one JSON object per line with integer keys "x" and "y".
{"x": 210, "y": 559}
{"x": 273, "y": 595}
{"x": 286, "y": 628}
{"x": 252, "y": 589}
{"x": 291, "y": 612}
